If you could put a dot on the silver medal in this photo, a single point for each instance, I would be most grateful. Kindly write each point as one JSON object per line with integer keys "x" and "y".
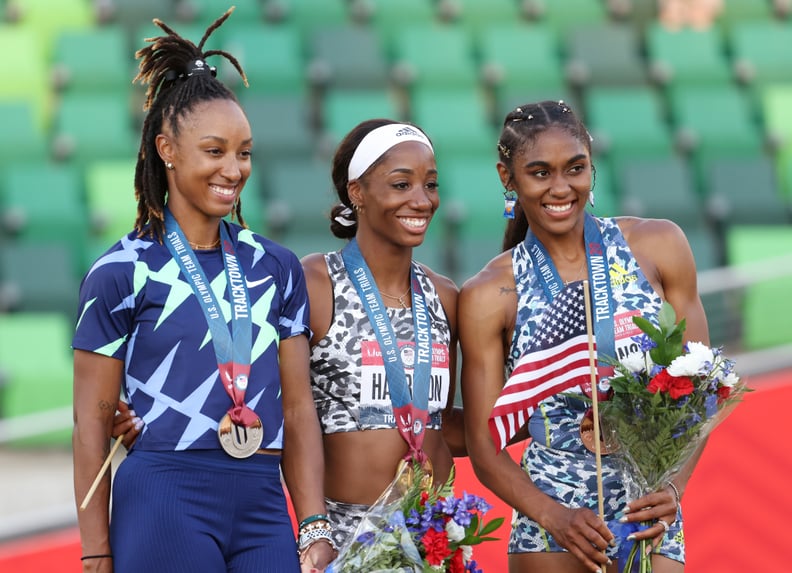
{"x": 240, "y": 441}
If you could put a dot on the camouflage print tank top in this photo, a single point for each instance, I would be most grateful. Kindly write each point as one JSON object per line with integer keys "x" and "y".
{"x": 556, "y": 422}
{"x": 347, "y": 371}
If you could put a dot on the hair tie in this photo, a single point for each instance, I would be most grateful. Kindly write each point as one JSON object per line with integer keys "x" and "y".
{"x": 201, "y": 67}
{"x": 345, "y": 217}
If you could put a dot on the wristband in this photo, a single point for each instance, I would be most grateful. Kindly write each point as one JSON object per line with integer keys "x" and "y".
{"x": 100, "y": 556}
{"x": 312, "y": 518}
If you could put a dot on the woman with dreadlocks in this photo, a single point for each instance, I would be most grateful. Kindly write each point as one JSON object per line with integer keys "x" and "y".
{"x": 205, "y": 324}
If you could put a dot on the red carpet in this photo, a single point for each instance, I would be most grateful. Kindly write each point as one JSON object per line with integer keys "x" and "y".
{"x": 737, "y": 504}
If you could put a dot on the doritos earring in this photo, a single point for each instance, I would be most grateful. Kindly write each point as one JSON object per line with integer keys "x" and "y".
{"x": 591, "y": 198}
{"x": 509, "y": 202}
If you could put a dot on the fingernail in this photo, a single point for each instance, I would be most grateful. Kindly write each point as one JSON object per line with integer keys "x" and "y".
{"x": 623, "y": 519}
{"x": 649, "y": 549}
{"x": 610, "y": 562}
{"x": 138, "y": 423}
{"x": 612, "y": 542}
{"x": 132, "y": 413}
{"x": 626, "y": 509}
{"x": 631, "y": 537}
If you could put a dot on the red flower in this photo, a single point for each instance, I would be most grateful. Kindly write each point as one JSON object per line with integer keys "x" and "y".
{"x": 660, "y": 382}
{"x": 457, "y": 564}
{"x": 723, "y": 393}
{"x": 676, "y": 386}
{"x": 436, "y": 546}
{"x": 424, "y": 498}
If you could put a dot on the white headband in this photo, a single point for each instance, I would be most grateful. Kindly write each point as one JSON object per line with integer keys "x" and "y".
{"x": 379, "y": 141}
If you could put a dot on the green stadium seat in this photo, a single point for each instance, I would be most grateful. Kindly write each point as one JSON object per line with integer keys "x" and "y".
{"x": 271, "y": 57}
{"x": 282, "y": 127}
{"x": 776, "y": 106}
{"x": 714, "y": 120}
{"x": 505, "y": 66}
{"x": 21, "y": 139}
{"x": 299, "y": 195}
{"x": 390, "y": 17}
{"x": 93, "y": 126}
{"x": 204, "y": 12}
{"x": 568, "y": 16}
{"x": 759, "y": 51}
{"x": 661, "y": 188}
{"x": 36, "y": 362}
{"x": 93, "y": 60}
{"x": 38, "y": 277}
{"x": 434, "y": 56}
{"x": 744, "y": 191}
{"x": 603, "y": 54}
{"x": 344, "y": 109}
{"x": 456, "y": 121}
{"x": 131, "y": 15}
{"x": 627, "y": 122}
{"x": 767, "y": 314}
{"x": 29, "y": 70}
{"x": 687, "y": 56}
{"x": 348, "y": 56}
{"x": 48, "y": 19}
{"x": 476, "y": 15}
{"x": 471, "y": 212}
{"x": 110, "y": 196}
{"x": 43, "y": 202}
{"x": 307, "y": 15}
{"x": 735, "y": 12}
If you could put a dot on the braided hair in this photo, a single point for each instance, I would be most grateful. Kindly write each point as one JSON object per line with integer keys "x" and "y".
{"x": 523, "y": 126}
{"x": 178, "y": 79}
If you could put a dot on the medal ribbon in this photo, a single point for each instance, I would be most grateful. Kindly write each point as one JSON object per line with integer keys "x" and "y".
{"x": 599, "y": 279}
{"x": 232, "y": 349}
{"x": 412, "y": 415}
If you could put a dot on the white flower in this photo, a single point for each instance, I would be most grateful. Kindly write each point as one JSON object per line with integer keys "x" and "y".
{"x": 730, "y": 380}
{"x": 455, "y": 531}
{"x": 467, "y": 553}
{"x": 697, "y": 362}
{"x": 635, "y": 362}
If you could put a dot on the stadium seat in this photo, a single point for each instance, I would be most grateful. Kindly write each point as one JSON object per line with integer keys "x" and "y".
{"x": 434, "y": 56}
{"x": 735, "y": 12}
{"x": 38, "y": 277}
{"x": 29, "y": 70}
{"x": 48, "y": 19}
{"x": 390, "y": 17}
{"x": 93, "y": 60}
{"x": 204, "y": 12}
{"x": 687, "y": 56}
{"x": 775, "y": 100}
{"x": 757, "y": 51}
{"x": 270, "y": 55}
{"x": 44, "y": 202}
{"x": 627, "y": 122}
{"x": 110, "y": 196}
{"x": 344, "y": 109}
{"x": 21, "y": 139}
{"x": 36, "y": 369}
{"x": 767, "y": 314}
{"x": 568, "y": 16}
{"x": 282, "y": 127}
{"x": 503, "y": 49}
{"x": 456, "y": 122}
{"x": 347, "y": 57}
{"x": 604, "y": 54}
{"x": 744, "y": 191}
{"x": 710, "y": 119}
{"x": 477, "y": 15}
{"x": 307, "y": 15}
{"x": 93, "y": 126}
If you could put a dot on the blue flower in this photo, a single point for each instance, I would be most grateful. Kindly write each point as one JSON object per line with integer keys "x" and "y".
{"x": 645, "y": 342}
{"x": 472, "y": 567}
{"x": 711, "y": 405}
{"x": 366, "y": 538}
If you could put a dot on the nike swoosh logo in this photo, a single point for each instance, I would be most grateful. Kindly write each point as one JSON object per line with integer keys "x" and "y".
{"x": 254, "y": 284}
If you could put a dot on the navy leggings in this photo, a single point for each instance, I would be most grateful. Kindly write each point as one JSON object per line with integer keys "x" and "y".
{"x": 200, "y": 511}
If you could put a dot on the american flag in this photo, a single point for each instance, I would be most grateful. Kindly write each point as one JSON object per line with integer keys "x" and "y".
{"x": 556, "y": 360}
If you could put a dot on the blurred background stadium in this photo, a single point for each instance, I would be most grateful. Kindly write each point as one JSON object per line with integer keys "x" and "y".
{"x": 694, "y": 125}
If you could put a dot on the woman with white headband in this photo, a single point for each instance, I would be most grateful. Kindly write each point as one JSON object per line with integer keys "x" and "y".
{"x": 382, "y": 324}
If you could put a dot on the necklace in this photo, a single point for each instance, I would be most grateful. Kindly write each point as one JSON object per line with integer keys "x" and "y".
{"x": 197, "y": 247}
{"x": 581, "y": 270}
{"x": 398, "y": 298}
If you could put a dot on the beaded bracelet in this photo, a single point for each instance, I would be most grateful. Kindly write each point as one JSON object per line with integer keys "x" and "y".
{"x": 312, "y": 518}
{"x": 101, "y": 556}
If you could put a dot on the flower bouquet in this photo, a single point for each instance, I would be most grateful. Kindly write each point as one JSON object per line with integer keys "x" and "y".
{"x": 664, "y": 400}
{"x": 417, "y": 528}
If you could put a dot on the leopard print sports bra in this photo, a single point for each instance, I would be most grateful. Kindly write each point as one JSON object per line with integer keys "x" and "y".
{"x": 347, "y": 371}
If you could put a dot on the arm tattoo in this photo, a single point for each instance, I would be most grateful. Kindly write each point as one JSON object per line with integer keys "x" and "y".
{"x": 105, "y": 405}
{"x": 508, "y": 290}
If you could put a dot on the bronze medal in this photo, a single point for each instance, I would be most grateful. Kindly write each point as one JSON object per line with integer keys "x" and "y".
{"x": 587, "y": 436}
{"x": 240, "y": 441}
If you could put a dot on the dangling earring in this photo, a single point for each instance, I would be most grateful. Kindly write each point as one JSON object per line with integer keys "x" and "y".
{"x": 591, "y": 197}
{"x": 593, "y": 184}
{"x": 509, "y": 202}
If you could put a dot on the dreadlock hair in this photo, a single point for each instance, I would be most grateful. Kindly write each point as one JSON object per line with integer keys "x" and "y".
{"x": 521, "y": 127}
{"x": 178, "y": 79}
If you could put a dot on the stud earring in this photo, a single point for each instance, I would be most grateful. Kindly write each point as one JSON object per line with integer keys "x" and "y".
{"x": 509, "y": 202}
{"x": 169, "y": 166}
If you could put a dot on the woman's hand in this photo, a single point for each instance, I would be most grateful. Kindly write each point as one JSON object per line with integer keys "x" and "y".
{"x": 582, "y": 533}
{"x": 659, "y": 507}
{"x": 126, "y": 423}
{"x": 317, "y": 557}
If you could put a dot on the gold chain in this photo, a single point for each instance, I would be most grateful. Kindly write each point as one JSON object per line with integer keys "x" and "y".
{"x": 197, "y": 247}
{"x": 398, "y": 298}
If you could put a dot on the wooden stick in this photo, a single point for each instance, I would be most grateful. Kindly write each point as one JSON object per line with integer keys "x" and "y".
{"x": 594, "y": 400}
{"x": 101, "y": 473}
